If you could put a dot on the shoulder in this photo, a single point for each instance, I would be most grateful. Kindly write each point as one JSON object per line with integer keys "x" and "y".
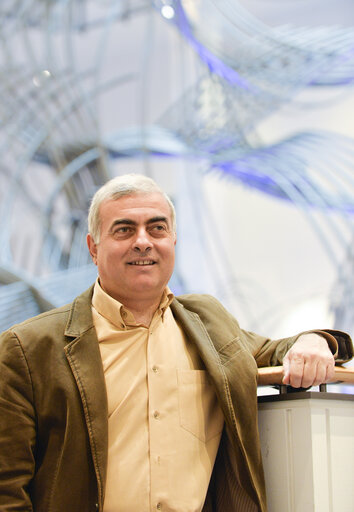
{"x": 196, "y": 302}
{"x": 39, "y": 326}
{"x": 220, "y": 325}
{"x": 207, "y": 307}
{"x": 46, "y": 324}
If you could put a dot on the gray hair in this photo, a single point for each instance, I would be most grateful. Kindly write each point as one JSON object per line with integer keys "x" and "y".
{"x": 126, "y": 185}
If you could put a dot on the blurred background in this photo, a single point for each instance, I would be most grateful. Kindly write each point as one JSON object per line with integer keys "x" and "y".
{"x": 243, "y": 111}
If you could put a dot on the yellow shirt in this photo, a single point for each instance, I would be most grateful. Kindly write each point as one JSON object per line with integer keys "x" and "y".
{"x": 164, "y": 422}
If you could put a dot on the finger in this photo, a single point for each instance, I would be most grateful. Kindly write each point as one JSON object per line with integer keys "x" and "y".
{"x": 330, "y": 372}
{"x": 286, "y": 371}
{"x": 296, "y": 370}
{"x": 312, "y": 372}
{"x": 325, "y": 372}
{"x": 316, "y": 375}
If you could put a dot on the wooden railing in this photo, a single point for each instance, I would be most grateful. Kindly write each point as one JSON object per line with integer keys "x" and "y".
{"x": 273, "y": 375}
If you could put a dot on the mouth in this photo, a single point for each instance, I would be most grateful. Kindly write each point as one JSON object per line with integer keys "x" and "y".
{"x": 142, "y": 263}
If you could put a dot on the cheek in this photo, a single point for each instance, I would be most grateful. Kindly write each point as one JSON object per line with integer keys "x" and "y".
{"x": 170, "y": 255}
{"x": 108, "y": 257}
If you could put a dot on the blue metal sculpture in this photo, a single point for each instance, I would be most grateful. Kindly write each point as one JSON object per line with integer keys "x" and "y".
{"x": 55, "y": 152}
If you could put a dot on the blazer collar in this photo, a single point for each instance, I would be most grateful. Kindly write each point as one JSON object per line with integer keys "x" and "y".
{"x": 80, "y": 317}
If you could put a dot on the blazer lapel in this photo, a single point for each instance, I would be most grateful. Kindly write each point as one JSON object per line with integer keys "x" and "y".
{"x": 83, "y": 355}
{"x": 197, "y": 334}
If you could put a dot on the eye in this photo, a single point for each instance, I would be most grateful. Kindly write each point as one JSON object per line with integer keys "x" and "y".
{"x": 158, "y": 229}
{"x": 120, "y": 231}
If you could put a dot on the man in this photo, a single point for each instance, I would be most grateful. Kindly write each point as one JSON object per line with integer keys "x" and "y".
{"x": 130, "y": 399}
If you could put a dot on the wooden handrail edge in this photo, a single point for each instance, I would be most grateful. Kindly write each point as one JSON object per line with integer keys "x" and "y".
{"x": 273, "y": 375}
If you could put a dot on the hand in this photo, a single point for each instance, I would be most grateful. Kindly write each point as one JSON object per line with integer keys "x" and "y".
{"x": 309, "y": 362}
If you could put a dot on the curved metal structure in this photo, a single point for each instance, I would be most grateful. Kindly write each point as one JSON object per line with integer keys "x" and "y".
{"x": 56, "y": 148}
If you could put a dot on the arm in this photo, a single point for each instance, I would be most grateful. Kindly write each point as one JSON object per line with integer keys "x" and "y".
{"x": 17, "y": 427}
{"x": 309, "y": 359}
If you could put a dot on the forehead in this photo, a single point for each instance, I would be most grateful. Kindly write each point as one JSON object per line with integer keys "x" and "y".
{"x": 138, "y": 207}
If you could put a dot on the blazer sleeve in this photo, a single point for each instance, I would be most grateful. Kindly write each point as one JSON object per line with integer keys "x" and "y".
{"x": 224, "y": 330}
{"x": 269, "y": 352}
{"x": 17, "y": 426}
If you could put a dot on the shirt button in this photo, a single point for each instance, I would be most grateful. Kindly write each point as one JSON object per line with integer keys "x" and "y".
{"x": 159, "y": 506}
{"x": 156, "y": 415}
{"x": 155, "y": 369}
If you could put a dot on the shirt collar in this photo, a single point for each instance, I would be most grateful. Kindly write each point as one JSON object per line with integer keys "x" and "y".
{"x": 116, "y": 312}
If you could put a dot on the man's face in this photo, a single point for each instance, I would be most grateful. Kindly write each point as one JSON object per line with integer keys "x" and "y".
{"x": 136, "y": 252}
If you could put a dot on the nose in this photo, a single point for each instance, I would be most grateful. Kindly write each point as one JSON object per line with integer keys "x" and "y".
{"x": 142, "y": 242}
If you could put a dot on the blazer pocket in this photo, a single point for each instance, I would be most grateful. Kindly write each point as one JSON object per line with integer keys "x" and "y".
{"x": 230, "y": 350}
{"x": 199, "y": 411}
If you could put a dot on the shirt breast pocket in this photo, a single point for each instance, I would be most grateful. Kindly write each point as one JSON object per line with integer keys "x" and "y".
{"x": 199, "y": 411}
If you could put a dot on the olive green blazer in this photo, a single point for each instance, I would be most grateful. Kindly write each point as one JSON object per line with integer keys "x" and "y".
{"x": 53, "y": 407}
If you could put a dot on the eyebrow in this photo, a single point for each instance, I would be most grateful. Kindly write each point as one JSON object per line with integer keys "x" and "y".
{"x": 131, "y": 222}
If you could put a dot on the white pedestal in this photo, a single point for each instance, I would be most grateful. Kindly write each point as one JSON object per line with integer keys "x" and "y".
{"x": 307, "y": 444}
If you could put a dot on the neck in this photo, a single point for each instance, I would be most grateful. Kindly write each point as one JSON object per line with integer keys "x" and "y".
{"x": 143, "y": 313}
{"x": 143, "y": 308}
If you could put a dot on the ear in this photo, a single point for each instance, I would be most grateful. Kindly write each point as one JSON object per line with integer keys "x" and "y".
{"x": 92, "y": 247}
